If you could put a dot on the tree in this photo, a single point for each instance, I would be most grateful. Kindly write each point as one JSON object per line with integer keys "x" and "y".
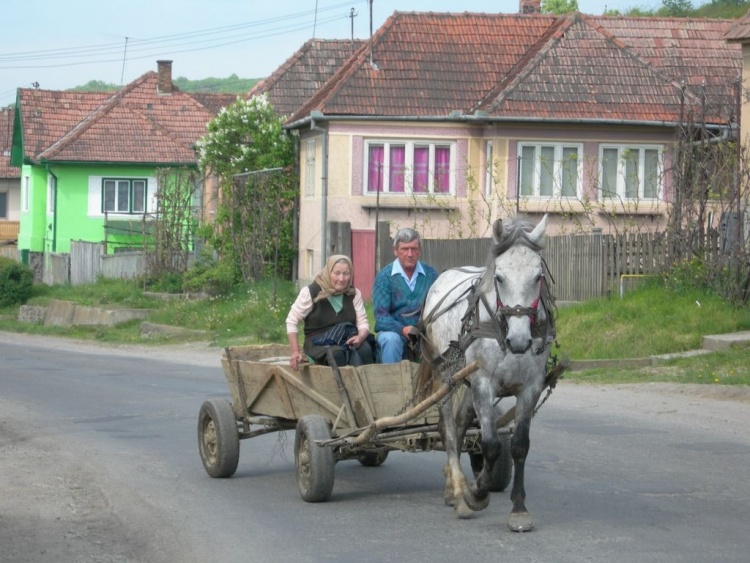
{"x": 251, "y": 157}
{"x": 677, "y": 8}
{"x": 559, "y": 7}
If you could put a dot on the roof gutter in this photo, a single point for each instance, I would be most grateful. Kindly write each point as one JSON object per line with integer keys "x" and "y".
{"x": 479, "y": 118}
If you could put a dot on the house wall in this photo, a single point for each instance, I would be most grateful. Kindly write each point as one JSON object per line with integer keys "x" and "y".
{"x": 78, "y": 214}
{"x": 33, "y": 227}
{"x": 477, "y": 200}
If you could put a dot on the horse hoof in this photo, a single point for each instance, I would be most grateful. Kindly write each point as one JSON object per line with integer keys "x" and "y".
{"x": 463, "y": 510}
{"x": 476, "y": 504}
{"x": 520, "y": 522}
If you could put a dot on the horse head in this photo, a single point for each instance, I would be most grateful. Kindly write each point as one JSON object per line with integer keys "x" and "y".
{"x": 515, "y": 269}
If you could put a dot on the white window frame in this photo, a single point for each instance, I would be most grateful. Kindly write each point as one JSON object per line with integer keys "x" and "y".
{"x": 50, "y": 194}
{"x": 409, "y": 146}
{"x": 557, "y": 170}
{"x": 25, "y": 188}
{"x": 4, "y": 197}
{"x": 623, "y": 150}
{"x": 130, "y": 196}
{"x": 310, "y": 148}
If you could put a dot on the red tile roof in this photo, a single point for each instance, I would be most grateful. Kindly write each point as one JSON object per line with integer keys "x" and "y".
{"x": 535, "y": 66}
{"x": 6, "y": 141}
{"x": 739, "y": 31}
{"x": 135, "y": 125}
{"x": 304, "y": 73}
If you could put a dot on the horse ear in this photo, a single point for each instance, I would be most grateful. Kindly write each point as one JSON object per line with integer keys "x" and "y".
{"x": 497, "y": 230}
{"x": 537, "y": 235}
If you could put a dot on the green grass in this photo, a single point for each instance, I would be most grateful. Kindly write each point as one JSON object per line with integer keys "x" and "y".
{"x": 650, "y": 320}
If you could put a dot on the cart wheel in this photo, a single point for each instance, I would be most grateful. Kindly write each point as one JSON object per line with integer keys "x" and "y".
{"x": 503, "y": 469}
{"x": 314, "y": 463}
{"x": 373, "y": 459}
{"x": 218, "y": 438}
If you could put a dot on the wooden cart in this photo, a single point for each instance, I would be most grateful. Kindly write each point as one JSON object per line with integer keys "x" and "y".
{"x": 359, "y": 413}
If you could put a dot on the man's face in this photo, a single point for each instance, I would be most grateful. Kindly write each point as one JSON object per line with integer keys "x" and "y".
{"x": 407, "y": 254}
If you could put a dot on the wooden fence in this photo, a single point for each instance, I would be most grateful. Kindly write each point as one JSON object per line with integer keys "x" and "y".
{"x": 582, "y": 266}
{"x": 9, "y": 230}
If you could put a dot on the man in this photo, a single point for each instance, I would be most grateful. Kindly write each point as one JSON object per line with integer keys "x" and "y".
{"x": 398, "y": 295}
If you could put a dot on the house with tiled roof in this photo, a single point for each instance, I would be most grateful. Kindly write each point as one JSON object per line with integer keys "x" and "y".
{"x": 10, "y": 181}
{"x": 89, "y": 160}
{"x": 304, "y": 73}
{"x": 444, "y": 122}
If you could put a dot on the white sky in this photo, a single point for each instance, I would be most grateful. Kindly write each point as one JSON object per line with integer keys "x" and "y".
{"x": 62, "y": 44}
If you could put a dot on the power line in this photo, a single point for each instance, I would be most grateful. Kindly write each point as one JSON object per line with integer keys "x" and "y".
{"x": 210, "y": 38}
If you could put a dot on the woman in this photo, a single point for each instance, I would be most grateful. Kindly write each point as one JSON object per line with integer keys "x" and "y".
{"x": 334, "y": 316}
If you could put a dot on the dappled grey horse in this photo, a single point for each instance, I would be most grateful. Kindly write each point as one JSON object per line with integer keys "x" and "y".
{"x": 500, "y": 316}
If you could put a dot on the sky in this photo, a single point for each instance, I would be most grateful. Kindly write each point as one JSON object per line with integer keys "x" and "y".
{"x": 60, "y": 44}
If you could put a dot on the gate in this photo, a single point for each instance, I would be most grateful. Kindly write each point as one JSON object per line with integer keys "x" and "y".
{"x": 363, "y": 261}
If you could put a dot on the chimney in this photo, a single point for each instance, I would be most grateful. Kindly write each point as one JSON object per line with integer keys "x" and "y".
{"x": 531, "y": 6}
{"x": 164, "y": 78}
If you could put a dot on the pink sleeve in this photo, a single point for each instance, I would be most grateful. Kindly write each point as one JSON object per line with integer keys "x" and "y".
{"x": 359, "y": 307}
{"x": 299, "y": 310}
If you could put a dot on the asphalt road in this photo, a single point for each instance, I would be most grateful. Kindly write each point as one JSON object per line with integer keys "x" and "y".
{"x": 99, "y": 462}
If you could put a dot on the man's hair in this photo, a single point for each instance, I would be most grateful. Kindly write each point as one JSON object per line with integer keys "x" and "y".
{"x": 406, "y": 235}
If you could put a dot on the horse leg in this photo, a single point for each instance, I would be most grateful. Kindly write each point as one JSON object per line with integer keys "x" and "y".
{"x": 455, "y": 480}
{"x": 477, "y": 493}
{"x": 520, "y": 519}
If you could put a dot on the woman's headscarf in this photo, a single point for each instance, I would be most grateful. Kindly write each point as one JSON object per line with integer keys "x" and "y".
{"x": 323, "y": 279}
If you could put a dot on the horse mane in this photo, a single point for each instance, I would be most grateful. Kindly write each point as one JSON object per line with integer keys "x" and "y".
{"x": 515, "y": 230}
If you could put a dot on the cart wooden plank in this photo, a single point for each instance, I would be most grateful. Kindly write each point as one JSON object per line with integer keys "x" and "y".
{"x": 273, "y": 389}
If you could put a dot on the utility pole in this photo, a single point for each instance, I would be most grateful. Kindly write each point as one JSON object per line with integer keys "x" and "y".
{"x": 352, "y": 15}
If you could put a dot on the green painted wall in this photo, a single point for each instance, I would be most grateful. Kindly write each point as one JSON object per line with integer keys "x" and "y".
{"x": 33, "y": 224}
{"x": 77, "y": 217}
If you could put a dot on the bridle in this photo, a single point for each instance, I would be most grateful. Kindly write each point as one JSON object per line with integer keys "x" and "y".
{"x": 472, "y": 328}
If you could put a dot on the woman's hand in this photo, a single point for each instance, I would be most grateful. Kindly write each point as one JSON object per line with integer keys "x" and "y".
{"x": 295, "y": 360}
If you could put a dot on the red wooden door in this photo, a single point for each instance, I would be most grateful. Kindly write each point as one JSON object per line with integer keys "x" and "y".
{"x": 363, "y": 260}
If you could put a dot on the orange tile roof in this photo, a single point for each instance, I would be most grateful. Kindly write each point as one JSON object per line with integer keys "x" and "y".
{"x": 535, "y": 66}
{"x": 135, "y": 125}
{"x": 304, "y": 73}
{"x": 6, "y": 141}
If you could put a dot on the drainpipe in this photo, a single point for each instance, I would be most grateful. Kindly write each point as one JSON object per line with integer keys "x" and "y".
{"x": 323, "y": 188}
{"x": 54, "y": 210}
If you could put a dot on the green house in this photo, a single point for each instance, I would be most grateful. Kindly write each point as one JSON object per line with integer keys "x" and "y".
{"x": 89, "y": 160}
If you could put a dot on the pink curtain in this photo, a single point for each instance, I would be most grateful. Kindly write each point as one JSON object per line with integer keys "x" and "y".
{"x": 421, "y": 169}
{"x": 442, "y": 170}
{"x": 398, "y": 160}
{"x": 375, "y": 172}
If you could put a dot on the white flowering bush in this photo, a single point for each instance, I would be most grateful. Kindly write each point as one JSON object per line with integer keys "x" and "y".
{"x": 250, "y": 154}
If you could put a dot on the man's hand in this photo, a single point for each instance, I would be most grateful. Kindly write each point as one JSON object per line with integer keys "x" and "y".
{"x": 410, "y": 333}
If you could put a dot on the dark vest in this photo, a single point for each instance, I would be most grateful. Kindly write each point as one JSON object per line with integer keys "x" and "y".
{"x": 322, "y": 317}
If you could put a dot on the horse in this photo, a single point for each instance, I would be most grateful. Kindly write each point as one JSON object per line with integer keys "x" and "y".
{"x": 502, "y": 316}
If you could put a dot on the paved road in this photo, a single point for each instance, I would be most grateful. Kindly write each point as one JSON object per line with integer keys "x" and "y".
{"x": 99, "y": 463}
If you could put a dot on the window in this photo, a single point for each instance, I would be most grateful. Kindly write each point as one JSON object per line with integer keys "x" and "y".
{"x": 3, "y": 205}
{"x": 550, "y": 170}
{"x": 631, "y": 172}
{"x": 310, "y": 168}
{"x": 25, "y": 195}
{"x": 51, "y": 183}
{"x": 121, "y": 195}
{"x": 489, "y": 179}
{"x": 409, "y": 167}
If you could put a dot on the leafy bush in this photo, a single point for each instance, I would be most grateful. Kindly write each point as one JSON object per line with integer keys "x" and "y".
{"x": 211, "y": 276}
{"x": 16, "y": 282}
